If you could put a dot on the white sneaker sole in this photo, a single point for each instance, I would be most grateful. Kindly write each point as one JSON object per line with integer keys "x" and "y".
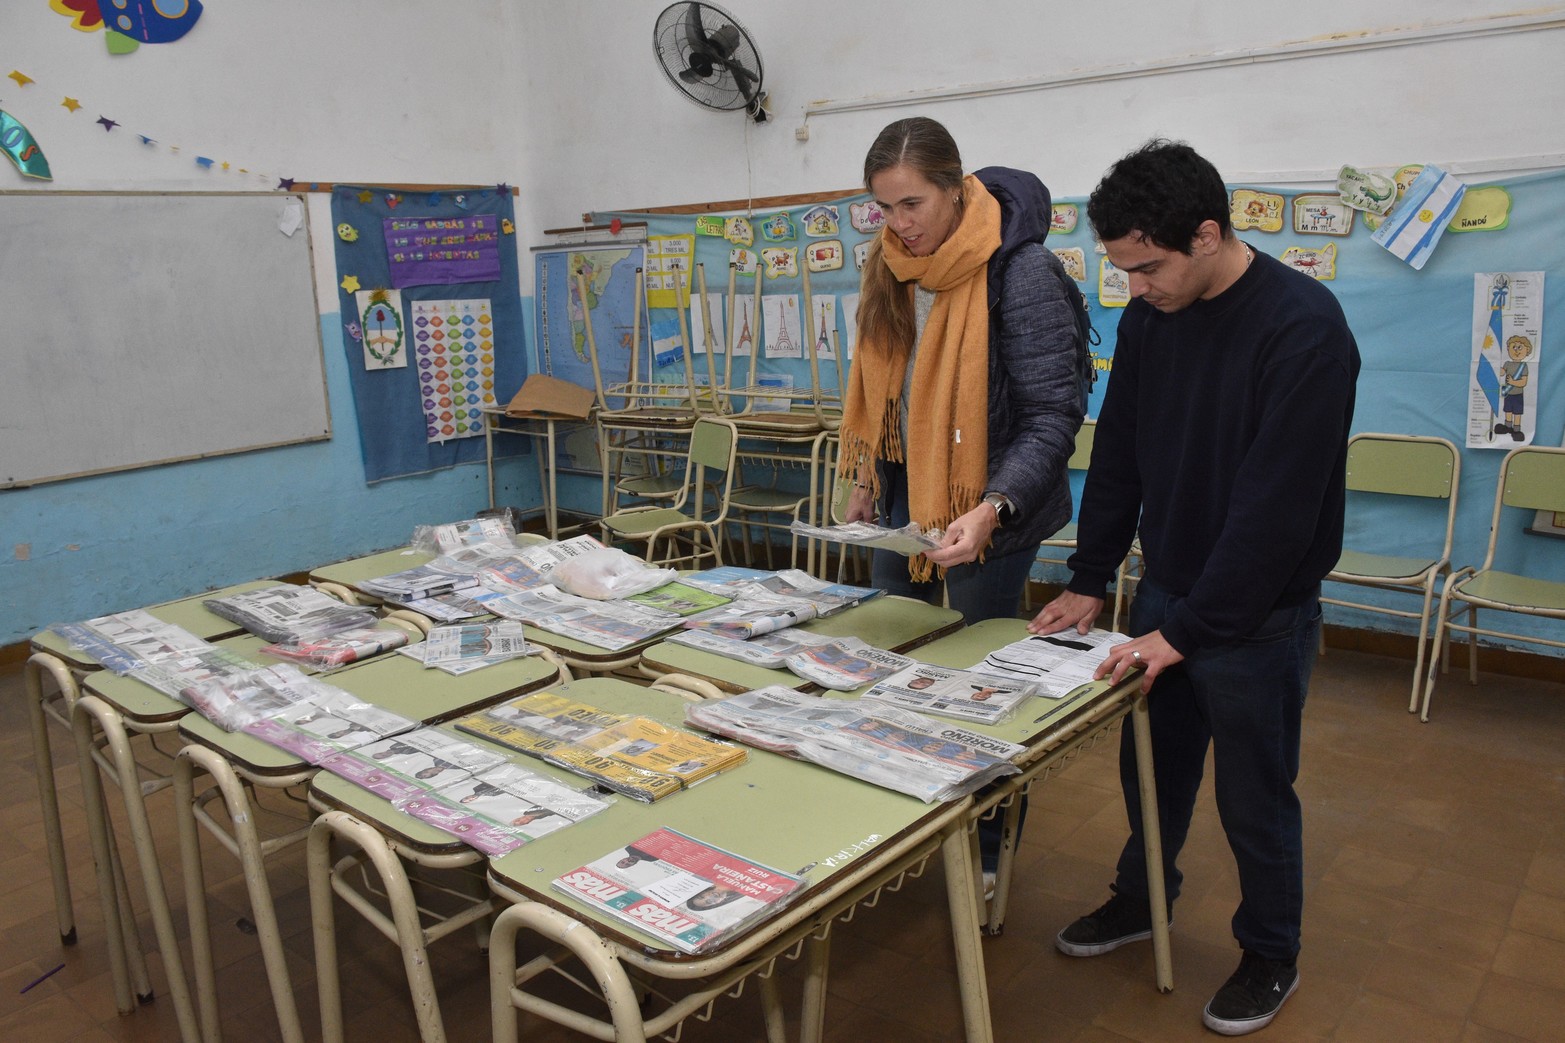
{"x": 1070, "y": 948}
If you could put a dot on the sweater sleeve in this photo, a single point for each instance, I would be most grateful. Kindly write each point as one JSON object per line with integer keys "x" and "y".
{"x": 1038, "y": 353}
{"x": 1111, "y": 496}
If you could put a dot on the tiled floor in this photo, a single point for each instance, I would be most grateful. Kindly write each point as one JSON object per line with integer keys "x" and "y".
{"x": 1435, "y": 903}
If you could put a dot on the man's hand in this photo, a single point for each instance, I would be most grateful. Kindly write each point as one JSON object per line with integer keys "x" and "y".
{"x": 1068, "y": 610}
{"x": 1150, "y": 651}
{"x": 965, "y": 537}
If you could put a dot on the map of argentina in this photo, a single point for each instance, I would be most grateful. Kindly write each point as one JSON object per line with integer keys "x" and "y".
{"x": 609, "y": 276}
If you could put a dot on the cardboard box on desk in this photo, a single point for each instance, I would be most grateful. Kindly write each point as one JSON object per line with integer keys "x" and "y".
{"x": 543, "y": 396}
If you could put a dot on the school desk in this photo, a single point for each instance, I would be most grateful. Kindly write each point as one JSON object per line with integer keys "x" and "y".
{"x": 540, "y": 427}
{"x": 895, "y": 623}
{"x": 853, "y": 841}
{"x": 52, "y": 657}
{"x": 1055, "y": 731}
{"x": 237, "y": 762}
{"x": 342, "y": 578}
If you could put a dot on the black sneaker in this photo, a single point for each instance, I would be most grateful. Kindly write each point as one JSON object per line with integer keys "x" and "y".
{"x": 1116, "y": 922}
{"x": 1251, "y": 998}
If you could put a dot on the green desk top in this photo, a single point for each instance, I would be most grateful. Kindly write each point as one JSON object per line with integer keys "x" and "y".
{"x": 354, "y": 571}
{"x": 786, "y": 814}
{"x": 187, "y": 613}
{"x": 1035, "y": 719}
{"x": 896, "y": 624}
{"x": 393, "y": 682}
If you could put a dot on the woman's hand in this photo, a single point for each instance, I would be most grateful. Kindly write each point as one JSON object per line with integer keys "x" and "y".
{"x": 965, "y": 537}
{"x": 861, "y": 505}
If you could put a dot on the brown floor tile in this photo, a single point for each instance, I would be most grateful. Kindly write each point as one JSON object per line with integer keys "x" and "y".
{"x": 1435, "y": 907}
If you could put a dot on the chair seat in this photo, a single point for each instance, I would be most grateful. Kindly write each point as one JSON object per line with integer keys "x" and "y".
{"x": 649, "y": 416}
{"x": 652, "y": 485}
{"x": 766, "y": 499}
{"x": 792, "y": 423}
{"x": 1065, "y": 537}
{"x": 640, "y": 523}
{"x": 1358, "y": 567}
{"x": 1512, "y": 592}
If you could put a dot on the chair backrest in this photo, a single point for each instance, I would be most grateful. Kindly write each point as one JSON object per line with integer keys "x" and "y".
{"x": 1532, "y": 478}
{"x": 1081, "y": 456}
{"x": 1407, "y": 465}
{"x": 713, "y": 443}
{"x": 1403, "y": 465}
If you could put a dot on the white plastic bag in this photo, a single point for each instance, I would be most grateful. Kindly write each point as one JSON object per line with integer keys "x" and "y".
{"x": 608, "y": 574}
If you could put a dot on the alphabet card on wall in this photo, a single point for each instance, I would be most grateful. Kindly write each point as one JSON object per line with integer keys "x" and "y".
{"x": 454, "y": 341}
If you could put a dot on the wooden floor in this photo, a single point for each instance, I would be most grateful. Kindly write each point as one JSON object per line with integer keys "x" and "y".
{"x": 1434, "y": 905}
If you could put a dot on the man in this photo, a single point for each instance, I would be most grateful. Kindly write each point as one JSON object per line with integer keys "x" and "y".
{"x": 1223, "y": 435}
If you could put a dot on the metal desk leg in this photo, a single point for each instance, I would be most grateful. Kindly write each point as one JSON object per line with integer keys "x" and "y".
{"x": 962, "y": 897}
{"x": 817, "y": 961}
{"x": 594, "y": 953}
{"x": 546, "y": 483}
{"x": 1150, "y": 831}
{"x": 247, "y": 846}
{"x": 38, "y": 665}
{"x": 489, "y": 422}
{"x": 88, "y": 710}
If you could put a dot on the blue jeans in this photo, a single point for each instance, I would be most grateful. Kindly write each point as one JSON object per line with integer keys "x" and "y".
{"x": 1245, "y": 700}
{"x": 990, "y": 589}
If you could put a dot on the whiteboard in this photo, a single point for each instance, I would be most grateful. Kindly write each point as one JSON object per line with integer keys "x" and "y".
{"x": 145, "y": 328}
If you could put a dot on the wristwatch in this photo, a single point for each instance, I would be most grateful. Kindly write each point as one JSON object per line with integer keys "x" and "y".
{"x": 1004, "y": 509}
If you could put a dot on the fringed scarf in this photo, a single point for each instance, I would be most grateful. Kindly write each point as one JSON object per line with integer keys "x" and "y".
{"x": 947, "y": 455}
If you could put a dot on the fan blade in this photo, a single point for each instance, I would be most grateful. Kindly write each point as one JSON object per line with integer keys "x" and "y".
{"x": 695, "y": 34}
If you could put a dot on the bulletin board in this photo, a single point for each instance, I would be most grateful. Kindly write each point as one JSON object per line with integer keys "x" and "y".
{"x": 443, "y": 260}
{"x": 147, "y": 328}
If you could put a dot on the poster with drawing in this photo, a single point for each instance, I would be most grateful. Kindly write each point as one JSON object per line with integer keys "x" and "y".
{"x": 783, "y": 329}
{"x": 701, "y": 308}
{"x": 1507, "y": 342}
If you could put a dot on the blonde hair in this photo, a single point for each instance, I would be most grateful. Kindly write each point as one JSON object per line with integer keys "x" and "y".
{"x": 885, "y": 308}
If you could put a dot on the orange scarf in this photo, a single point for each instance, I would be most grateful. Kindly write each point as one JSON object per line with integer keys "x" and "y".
{"x": 947, "y": 455}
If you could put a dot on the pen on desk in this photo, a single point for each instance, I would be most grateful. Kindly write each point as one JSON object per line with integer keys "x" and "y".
{"x": 43, "y": 977}
{"x": 1068, "y": 695}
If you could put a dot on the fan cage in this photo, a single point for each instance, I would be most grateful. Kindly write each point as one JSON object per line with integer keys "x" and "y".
{"x": 721, "y": 90}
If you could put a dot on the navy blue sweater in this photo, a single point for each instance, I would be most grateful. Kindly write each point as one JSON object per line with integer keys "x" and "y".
{"x": 1224, "y": 427}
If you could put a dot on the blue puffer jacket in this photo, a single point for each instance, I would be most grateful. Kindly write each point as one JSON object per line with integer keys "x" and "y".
{"x": 1035, "y": 365}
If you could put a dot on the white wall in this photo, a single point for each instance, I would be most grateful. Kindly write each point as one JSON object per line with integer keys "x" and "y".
{"x": 610, "y": 133}
{"x": 564, "y": 99}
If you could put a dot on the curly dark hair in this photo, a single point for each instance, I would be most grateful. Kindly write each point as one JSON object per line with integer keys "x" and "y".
{"x": 1163, "y": 191}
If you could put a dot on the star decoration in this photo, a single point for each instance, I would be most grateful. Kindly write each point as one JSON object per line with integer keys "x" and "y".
{"x": 350, "y": 283}
{"x": 366, "y": 195}
{"x": 225, "y": 164}
{"x": 502, "y": 189}
{"x": 203, "y": 162}
{"x": 21, "y": 78}
{"x": 146, "y": 140}
{"x": 108, "y": 124}
{"x": 72, "y": 104}
{"x": 285, "y": 183}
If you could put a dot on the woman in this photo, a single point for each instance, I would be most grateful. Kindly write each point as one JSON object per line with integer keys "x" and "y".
{"x": 966, "y": 389}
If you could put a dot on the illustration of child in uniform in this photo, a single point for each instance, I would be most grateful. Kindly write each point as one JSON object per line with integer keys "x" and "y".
{"x": 1519, "y": 348}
